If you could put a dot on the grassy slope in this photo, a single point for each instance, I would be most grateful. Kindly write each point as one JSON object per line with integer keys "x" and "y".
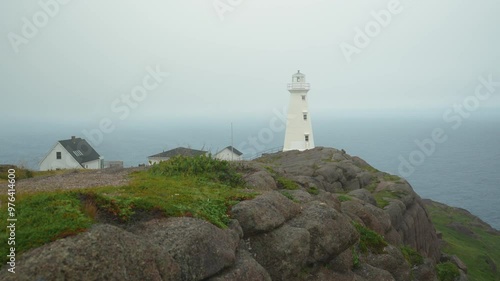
{"x": 47, "y": 216}
{"x": 476, "y": 252}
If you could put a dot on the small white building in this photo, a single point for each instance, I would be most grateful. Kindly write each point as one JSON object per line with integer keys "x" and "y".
{"x": 164, "y": 156}
{"x": 299, "y": 134}
{"x": 74, "y": 153}
{"x": 229, "y": 154}
{"x": 113, "y": 164}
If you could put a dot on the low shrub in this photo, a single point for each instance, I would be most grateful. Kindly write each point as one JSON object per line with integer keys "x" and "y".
{"x": 447, "y": 271}
{"x": 202, "y": 166}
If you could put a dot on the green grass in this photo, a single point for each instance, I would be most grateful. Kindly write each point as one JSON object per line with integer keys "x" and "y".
{"x": 43, "y": 218}
{"x": 343, "y": 198}
{"x": 412, "y": 256}
{"x": 204, "y": 167}
{"x": 372, "y": 186}
{"x": 20, "y": 173}
{"x": 46, "y": 216}
{"x": 447, "y": 271}
{"x": 369, "y": 240}
{"x": 355, "y": 258}
{"x": 313, "y": 190}
{"x": 383, "y": 197}
{"x": 393, "y": 178}
{"x": 282, "y": 182}
{"x": 476, "y": 253}
{"x": 369, "y": 169}
{"x": 288, "y": 195}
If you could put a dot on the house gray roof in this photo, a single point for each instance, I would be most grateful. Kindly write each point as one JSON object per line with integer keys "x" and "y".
{"x": 235, "y": 151}
{"x": 179, "y": 151}
{"x": 80, "y": 149}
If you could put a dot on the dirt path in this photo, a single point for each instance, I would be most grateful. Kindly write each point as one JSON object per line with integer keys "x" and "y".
{"x": 76, "y": 179}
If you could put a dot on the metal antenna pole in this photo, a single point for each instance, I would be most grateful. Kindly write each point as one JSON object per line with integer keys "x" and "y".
{"x": 232, "y": 148}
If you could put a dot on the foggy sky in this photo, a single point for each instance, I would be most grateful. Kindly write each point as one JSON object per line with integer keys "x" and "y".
{"x": 91, "y": 53}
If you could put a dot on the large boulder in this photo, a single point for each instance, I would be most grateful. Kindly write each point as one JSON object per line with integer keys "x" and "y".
{"x": 260, "y": 180}
{"x": 373, "y": 273}
{"x": 245, "y": 269}
{"x": 282, "y": 252}
{"x": 331, "y": 232}
{"x": 200, "y": 248}
{"x": 392, "y": 261}
{"x": 264, "y": 213}
{"x": 104, "y": 252}
{"x": 363, "y": 195}
{"x": 374, "y": 218}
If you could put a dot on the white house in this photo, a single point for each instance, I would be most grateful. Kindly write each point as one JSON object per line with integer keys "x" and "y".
{"x": 229, "y": 154}
{"x": 299, "y": 134}
{"x": 74, "y": 153}
{"x": 164, "y": 156}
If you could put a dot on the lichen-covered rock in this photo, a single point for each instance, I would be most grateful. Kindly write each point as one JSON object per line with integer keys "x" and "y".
{"x": 425, "y": 271}
{"x": 331, "y": 232}
{"x": 282, "y": 252}
{"x": 343, "y": 263}
{"x": 200, "y": 248}
{"x": 105, "y": 252}
{"x": 392, "y": 261}
{"x": 260, "y": 180}
{"x": 245, "y": 269}
{"x": 363, "y": 195}
{"x": 372, "y": 273}
{"x": 372, "y": 217}
{"x": 264, "y": 213}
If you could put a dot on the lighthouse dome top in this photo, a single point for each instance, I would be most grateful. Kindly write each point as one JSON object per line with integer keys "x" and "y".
{"x": 299, "y": 77}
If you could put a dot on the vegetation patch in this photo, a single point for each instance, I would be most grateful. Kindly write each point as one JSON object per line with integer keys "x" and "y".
{"x": 411, "y": 255}
{"x": 369, "y": 240}
{"x": 392, "y": 178}
{"x": 21, "y": 173}
{"x": 289, "y": 196}
{"x": 372, "y": 186}
{"x": 481, "y": 254}
{"x": 447, "y": 271}
{"x": 282, "y": 182}
{"x": 383, "y": 197}
{"x": 47, "y": 216}
{"x": 43, "y": 218}
{"x": 204, "y": 167}
{"x": 343, "y": 198}
{"x": 369, "y": 169}
{"x": 313, "y": 190}
{"x": 355, "y": 258}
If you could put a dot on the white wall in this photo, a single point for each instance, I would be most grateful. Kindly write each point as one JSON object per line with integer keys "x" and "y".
{"x": 226, "y": 155}
{"x": 66, "y": 162}
{"x": 95, "y": 164}
{"x": 296, "y": 126}
{"x": 156, "y": 160}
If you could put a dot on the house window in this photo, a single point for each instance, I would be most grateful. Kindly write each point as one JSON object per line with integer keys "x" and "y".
{"x": 306, "y": 138}
{"x": 58, "y": 155}
{"x": 305, "y": 116}
{"x": 303, "y": 97}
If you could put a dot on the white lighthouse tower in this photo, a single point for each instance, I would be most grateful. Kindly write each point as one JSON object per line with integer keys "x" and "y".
{"x": 299, "y": 134}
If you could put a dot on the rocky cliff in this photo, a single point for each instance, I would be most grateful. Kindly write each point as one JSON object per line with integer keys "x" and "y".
{"x": 321, "y": 215}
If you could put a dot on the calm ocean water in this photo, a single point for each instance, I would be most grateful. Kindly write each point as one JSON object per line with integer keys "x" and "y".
{"x": 463, "y": 171}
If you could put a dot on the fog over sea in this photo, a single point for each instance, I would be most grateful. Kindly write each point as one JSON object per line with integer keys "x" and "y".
{"x": 463, "y": 171}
